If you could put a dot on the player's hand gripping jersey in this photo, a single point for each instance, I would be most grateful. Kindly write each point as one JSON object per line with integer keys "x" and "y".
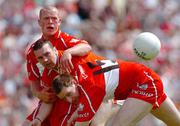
{"x": 106, "y": 79}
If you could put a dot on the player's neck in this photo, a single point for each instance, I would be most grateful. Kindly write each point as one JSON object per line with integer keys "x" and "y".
{"x": 48, "y": 37}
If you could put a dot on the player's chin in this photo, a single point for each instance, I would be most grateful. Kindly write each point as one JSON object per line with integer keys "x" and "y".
{"x": 50, "y": 31}
{"x": 75, "y": 101}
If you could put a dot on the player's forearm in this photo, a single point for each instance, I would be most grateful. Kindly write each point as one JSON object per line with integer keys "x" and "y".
{"x": 44, "y": 111}
{"x": 35, "y": 88}
{"x": 79, "y": 50}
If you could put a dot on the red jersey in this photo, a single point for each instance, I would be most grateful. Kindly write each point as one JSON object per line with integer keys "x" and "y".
{"x": 58, "y": 115}
{"x": 106, "y": 79}
{"x": 48, "y": 75}
{"x": 61, "y": 41}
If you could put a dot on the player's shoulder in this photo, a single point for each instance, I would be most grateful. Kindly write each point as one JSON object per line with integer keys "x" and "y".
{"x": 67, "y": 36}
{"x": 29, "y": 48}
{"x": 64, "y": 34}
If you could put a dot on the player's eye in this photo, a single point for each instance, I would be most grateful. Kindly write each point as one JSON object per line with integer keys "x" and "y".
{"x": 47, "y": 54}
{"x": 69, "y": 94}
{"x": 54, "y": 18}
{"x": 46, "y": 18}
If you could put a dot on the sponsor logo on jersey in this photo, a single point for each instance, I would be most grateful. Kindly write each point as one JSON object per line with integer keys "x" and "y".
{"x": 83, "y": 115}
{"x": 142, "y": 93}
{"x": 142, "y": 86}
{"x": 80, "y": 108}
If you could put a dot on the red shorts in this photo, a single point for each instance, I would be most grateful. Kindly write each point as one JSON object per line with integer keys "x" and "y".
{"x": 149, "y": 89}
{"x": 138, "y": 81}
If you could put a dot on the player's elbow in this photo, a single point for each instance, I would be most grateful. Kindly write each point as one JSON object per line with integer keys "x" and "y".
{"x": 89, "y": 48}
{"x": 85, "y": 49}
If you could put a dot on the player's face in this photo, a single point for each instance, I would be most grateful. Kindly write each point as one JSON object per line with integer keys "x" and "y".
{"x": 69, "y": 94}
{"x": 46, "y": 56}
{"x": 49, "y": 22}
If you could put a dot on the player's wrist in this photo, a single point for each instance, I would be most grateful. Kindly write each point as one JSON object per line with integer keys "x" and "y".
{"x": 38, "y": 95}
{"x": 35, "y": 94}
{"x": 67, "y": 52}
{"x": 37, "y": 118}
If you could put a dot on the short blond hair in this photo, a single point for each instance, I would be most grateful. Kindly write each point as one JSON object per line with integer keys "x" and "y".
{"x": 48, "y": 8}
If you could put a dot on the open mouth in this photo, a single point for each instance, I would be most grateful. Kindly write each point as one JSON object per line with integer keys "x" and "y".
{"x": 50, "y": 28}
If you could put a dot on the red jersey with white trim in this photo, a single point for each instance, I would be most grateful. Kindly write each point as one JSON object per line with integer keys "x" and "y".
{"x": 49, "y": 74}
{"x": 106, "y": 79}
{"x": 60, "y": 116}
{"x": 61, "y": 41}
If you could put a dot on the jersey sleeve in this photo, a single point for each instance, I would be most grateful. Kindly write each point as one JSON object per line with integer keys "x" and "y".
{"x": 71, "y": 41}
{"x": 31, "y": 66}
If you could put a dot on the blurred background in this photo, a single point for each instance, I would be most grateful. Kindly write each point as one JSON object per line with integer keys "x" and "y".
{"x": 110, "y": 26}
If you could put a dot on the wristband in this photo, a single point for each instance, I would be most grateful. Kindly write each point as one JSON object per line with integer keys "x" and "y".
{"x": 38, "y": 119}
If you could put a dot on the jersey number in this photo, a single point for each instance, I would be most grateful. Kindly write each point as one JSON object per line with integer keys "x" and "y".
{"x": 106, "y": 65}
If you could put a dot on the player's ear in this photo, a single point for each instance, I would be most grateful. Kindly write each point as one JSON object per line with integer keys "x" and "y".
{"x": 60, "y": 20}
{"x": 39, "y": 22}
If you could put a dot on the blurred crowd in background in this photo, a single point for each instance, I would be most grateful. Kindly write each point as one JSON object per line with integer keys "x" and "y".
{"x": 110, "y": 26}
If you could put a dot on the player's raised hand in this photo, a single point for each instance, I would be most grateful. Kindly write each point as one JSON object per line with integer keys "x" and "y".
{"x": 66, "y": 62}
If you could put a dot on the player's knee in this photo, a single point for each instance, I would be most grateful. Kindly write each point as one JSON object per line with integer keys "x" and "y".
{"x": 114, "y": 122}
{"x": 173, "y": 123}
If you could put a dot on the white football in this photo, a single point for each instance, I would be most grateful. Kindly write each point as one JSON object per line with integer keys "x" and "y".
{"x": 146, "y": 45}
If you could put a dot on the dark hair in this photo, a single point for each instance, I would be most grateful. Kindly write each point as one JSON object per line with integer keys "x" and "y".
{"x": 40, "y": 43}
{"x": 60, "y": 81}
